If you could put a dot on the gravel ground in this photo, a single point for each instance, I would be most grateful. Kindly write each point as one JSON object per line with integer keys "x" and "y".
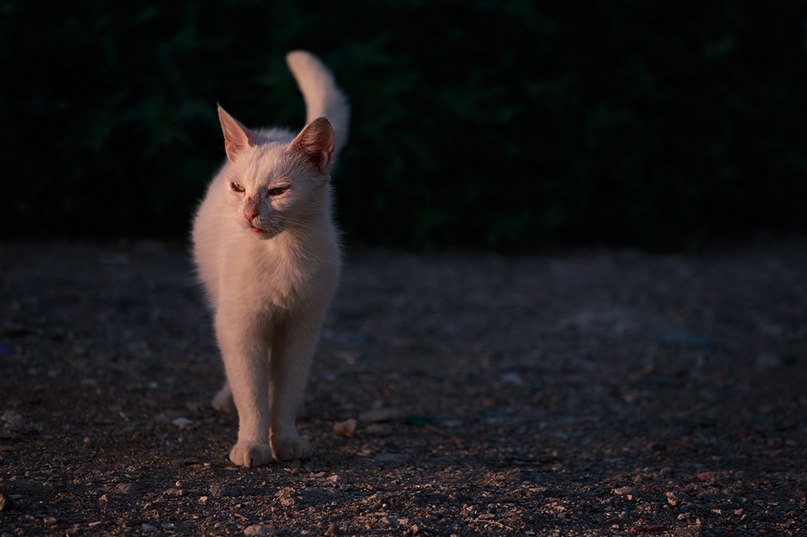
{"x": 585, "y": 393}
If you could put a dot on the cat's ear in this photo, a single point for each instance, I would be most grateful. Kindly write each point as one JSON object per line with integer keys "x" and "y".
{"x": 236, "y": 136}
{"x": 315, "y": 144}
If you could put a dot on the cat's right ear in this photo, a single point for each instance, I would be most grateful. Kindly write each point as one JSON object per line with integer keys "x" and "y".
{"x": 315, "y": 144}
{"x": 236, "y": 136}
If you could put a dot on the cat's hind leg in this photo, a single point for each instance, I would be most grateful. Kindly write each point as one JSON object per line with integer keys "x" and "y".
{"x": 223, "y": 401}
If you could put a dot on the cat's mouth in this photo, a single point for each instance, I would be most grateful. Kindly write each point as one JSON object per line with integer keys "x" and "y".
{"x": 263, "y": 232}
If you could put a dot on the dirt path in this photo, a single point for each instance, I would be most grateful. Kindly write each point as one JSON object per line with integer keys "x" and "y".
{"x": 595, "y": 393}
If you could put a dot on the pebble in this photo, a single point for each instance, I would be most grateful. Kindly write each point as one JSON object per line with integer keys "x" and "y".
{"x": 621, "y": 491}
{"x": 5, "y": 503}
{"x": 13, "y": 420}
{"x": 226, "y": 490}
{"x": 332, "y": 531}
{"x": 257, "y": 530}
{"x": 513, "y": 378}
{"x": 689, "y": 531}
{"x": 286, "y": 497}
{"x": 147, "y": 528}
{"x": 346, "y": 428}
{"x": 182, "y": 423}
{"x": 707, "y": 476}
{"x": 381, "y": 414}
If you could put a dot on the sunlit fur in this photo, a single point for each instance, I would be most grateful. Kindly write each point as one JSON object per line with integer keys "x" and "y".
{"x": 269, "y": 290}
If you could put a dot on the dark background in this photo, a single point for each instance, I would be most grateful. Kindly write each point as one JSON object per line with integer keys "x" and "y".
{"x": 508, "y": 125}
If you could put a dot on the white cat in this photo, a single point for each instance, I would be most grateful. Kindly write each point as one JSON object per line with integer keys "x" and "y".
{"x": 267, "y": 253}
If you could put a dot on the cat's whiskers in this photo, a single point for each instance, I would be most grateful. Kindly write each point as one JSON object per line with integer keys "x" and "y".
{"x": 308, "y": 225}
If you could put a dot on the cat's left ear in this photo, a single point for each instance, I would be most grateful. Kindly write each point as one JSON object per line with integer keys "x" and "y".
{"x": 236, "y": 136}
{"x": 315, "y": 144}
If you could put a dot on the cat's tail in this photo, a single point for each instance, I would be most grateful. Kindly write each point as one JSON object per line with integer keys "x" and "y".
{"x": 322, "y": 96}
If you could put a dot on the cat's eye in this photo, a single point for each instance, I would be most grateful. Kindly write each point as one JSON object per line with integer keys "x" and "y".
{"x": 277, "y": 190}
{"x": 237, "y": 187}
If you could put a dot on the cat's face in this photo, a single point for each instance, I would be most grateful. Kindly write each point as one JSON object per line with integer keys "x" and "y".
{"x": 273, "y": 186}
{"x": 271, "y": 189}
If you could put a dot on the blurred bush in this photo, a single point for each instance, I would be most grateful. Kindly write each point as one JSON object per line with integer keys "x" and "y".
{"x": 476, "y": 124}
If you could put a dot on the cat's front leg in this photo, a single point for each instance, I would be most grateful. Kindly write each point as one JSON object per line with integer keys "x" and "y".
{"x": 292, "y": 351}
{"x": 245, "y": 357}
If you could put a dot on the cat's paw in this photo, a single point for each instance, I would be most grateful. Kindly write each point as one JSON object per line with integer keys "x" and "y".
{"x": 287, "y": 448}
{"x": 223, "y": 401}
{"x": 250, "y": 455}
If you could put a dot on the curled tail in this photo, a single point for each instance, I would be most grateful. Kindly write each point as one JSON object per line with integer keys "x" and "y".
{"x": 322, "y": 96}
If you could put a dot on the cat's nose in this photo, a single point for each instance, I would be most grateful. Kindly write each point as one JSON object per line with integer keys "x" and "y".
{"x": 251, "y": 209}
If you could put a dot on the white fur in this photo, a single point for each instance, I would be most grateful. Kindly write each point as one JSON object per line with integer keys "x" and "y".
{"x": 269, "y": 290}
{"x": 322, "y": 96}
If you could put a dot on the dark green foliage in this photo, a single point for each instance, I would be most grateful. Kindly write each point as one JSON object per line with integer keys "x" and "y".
{"x": 480, "y": 124}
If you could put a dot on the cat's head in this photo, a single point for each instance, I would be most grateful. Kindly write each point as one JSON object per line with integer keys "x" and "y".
{"x": 274, "y": 185}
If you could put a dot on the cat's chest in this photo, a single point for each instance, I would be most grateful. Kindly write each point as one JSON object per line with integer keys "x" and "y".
{"x": 263, "y": 280}
{"x": 274, "y": 283}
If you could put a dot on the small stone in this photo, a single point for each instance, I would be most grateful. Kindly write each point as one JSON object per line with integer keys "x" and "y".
{"x": 182, "y": 423}
{"x": 286, "y": 497}
{"x": 147, "y": 528}
{"x": 258, "y": 530}
{"x": 689, "y": 531}
{"x": 203, "y": 499}
{"x": 511, "y": 377}
{"x": 671, "y": 499}
{"x": 621, "y": 491}
{"x": 707, "y": 476}
{"x": 104, "y": 498}
{"x": 381, "y": 414}
{"x": 346, "y": 428}
{"x": 49, "y": 521}
{"x": 5, "y": 503}
{"x": 227, "y": 490}
{"x": 12, "y": 420}
{"x": 332, "y": 531}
